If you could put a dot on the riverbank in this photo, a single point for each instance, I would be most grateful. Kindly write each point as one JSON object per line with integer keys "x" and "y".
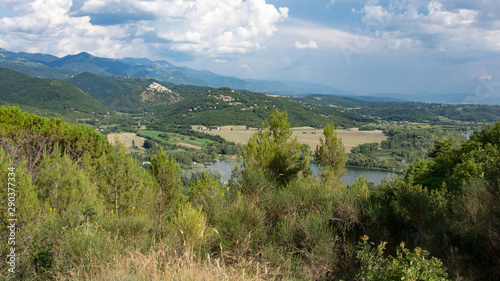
{"x": 400, "y": 172}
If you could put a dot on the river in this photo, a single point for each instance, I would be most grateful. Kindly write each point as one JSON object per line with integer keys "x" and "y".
{"x": 225, "y": 168}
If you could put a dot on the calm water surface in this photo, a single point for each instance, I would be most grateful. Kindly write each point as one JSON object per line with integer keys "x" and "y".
{"x": 225, "y": 168}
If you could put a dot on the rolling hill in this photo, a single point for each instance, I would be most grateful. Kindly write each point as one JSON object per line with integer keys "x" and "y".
{"x": 225, "y": 106}
{"x": 46, "y": 94}
{"x": 99, "y": 87}
{"x": 140, "y": 98}
{"x": 408, "y": 111}
{"x": 128, "y": 94}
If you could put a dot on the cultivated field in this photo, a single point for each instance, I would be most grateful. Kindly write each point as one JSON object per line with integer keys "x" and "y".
{"x": 306, "y": 135}
{"x": 126, "y": 139}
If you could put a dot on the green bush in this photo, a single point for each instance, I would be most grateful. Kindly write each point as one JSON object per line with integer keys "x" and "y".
{"x": 191, "y": 226}
{"x": 242, "y": 229}
{"x": 406, "y": 265}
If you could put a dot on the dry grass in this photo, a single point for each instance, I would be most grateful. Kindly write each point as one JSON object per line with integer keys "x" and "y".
{"x": 306, "y": 135}
{"x": 161, "y": 264}
{"x": 350, "y": 138}
{"x": 239, "y": 134}
{"x": 126, "y": 139}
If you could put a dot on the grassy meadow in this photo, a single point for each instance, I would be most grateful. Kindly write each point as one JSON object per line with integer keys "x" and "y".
{"x": 126, "y": 139}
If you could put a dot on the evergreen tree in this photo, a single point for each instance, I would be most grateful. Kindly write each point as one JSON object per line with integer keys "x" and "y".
{"x": 331, "y": 156}
{"x": 168, "y": 175}
{"x": 123, "y": 183}
{"x": 275, "y": 152}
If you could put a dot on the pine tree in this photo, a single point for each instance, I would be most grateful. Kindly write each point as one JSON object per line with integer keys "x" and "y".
{"x": 168, "y": 175}
{"x": 275, "y": 152}
{"x": 331, "y": 157}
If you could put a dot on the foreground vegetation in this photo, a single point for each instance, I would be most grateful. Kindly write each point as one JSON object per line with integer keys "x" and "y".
{"x": 87, "y": 211}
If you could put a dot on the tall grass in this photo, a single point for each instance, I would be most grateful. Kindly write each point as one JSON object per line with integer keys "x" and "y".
{"x": 164, "y": 264}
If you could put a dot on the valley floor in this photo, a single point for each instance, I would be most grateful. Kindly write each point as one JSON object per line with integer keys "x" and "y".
{"x": 305, "y": 135}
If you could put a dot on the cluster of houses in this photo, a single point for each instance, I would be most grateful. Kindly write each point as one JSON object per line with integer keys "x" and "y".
{"x": 203, "y": 128}
{"x": 159, "y": 88}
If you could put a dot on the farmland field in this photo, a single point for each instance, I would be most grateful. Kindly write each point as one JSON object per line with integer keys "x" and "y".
{"x": 126, "y": 139}
{"x": 350, "y": 138}
{"x": 306, "y": 135}
{"x": 177, "y": 139}
{"x": 154, "y": 134}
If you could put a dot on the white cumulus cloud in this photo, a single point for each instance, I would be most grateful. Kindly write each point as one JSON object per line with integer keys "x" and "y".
{"x": 133, "y": 27}
{"x": 445, "y": 26}
{"x": 310, "y": 45}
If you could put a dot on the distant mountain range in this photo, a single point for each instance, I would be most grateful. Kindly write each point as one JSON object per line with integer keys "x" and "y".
{"x": 88, "y": 96}
{"x": 49, "y": 66}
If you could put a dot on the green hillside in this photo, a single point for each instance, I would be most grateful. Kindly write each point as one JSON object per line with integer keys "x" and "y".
{"x": 224, "y": 106}
{"x": 46, "y": 94}
{"x": 36, "y": 69}
{"x": 139, "y": 98}
{"x": 408, "y": 111}
{"x": 350, "y": 102}
{"x": 99, "y": 87}
{"x": 122, "y": 93}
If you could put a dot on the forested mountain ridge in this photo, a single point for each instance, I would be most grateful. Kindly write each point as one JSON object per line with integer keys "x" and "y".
{"x": 225, "y": 106}
{"x": 104, "y": 87}
{"x": 46, "y": 94}
{"x": 99, "y": 87}
{"x": 164, "y": 71}
{"x": 34, "y": 65}
{"x": 409, "y": 111}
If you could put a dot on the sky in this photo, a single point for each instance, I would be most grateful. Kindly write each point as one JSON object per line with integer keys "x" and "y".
{"x": 413, "y": 47}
